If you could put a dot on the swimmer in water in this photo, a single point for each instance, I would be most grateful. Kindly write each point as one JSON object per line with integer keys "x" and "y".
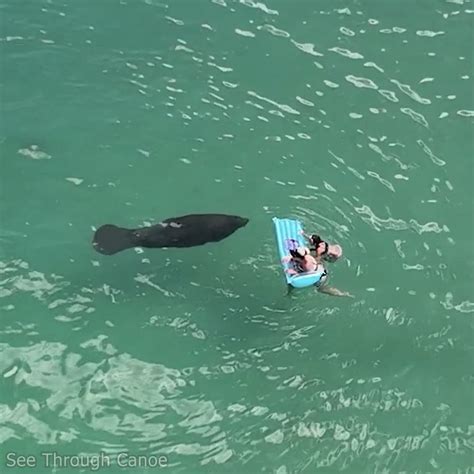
{"x": 302, "y": 260}
{"x": 322, "y": 249}
{"x": 322, "y": 287}
{"x": 305, "y": 262}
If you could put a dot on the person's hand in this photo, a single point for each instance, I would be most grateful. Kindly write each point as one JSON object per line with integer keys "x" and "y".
{"x": 286, "y": 259}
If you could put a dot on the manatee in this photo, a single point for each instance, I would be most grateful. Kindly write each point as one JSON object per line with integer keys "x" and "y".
{"x": 185, "y": 231}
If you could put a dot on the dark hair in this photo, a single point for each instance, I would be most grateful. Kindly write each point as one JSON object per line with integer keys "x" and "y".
{"x": 295, "y": 254}
{"x": 315, "y": 240}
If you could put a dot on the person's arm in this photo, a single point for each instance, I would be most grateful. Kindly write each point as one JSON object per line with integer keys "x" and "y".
{"x": 288, "y": 259}
{"x": 306, "y": 236}
{"x": 329, "y": 290}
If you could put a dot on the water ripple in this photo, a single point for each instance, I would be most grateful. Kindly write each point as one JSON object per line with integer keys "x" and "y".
{"x": 259, "y": 5}
{"x": 466, "y": 113}
{"x": 377, "y": 223}
{"x": 406, "y": 89}
{"x": 307, "y": 48}
{"x": 274, "y": 31}
{"x": 390, "y": 95}
{"x": 119, "y": 379}
{"x": 415, "y": 116}
{"x": 361, "y": 82}
{"x": 437, "y": 161}
{"x": 347, "y": 53}
{"x": 283, "y": 107}
{"x": 245, "y": 33}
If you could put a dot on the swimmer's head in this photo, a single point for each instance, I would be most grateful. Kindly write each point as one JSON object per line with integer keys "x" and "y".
{"x": 334, "y": 252}
{"x": 315, "y": 240}
{"x": 321, "y": 248}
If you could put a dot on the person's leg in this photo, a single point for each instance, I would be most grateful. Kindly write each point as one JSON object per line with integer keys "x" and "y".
{"x": 329, "y": 290}
{"x": 323, "y": 287}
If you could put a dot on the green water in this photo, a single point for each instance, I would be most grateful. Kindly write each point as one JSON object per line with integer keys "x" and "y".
{"x": 355, "y": 117}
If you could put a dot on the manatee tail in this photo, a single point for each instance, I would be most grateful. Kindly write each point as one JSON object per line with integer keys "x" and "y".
{"x": 110, "y": 239}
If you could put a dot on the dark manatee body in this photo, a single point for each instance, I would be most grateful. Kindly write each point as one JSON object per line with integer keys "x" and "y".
{"x": 185, "y": 231}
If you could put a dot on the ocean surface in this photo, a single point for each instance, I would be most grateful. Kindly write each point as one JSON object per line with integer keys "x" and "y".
{"x": 355, "y": 117}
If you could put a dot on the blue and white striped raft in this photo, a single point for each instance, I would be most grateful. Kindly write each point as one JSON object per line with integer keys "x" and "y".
{"x": 288, "y": 235}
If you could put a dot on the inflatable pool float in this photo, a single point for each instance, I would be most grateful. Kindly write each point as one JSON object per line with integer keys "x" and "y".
{"x": 288, "y": 236}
